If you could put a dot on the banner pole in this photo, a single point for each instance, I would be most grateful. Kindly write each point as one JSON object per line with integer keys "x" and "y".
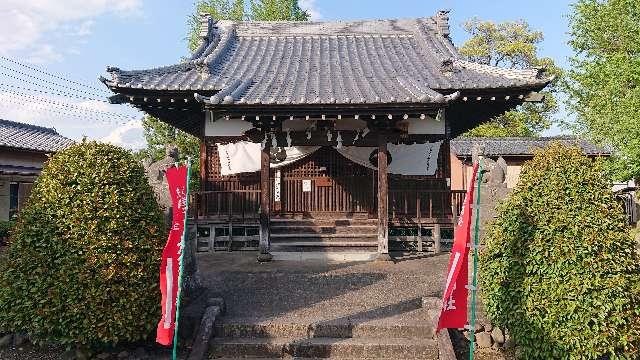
{"x": 181, "y": 262}
{"x": 474, "y": 283}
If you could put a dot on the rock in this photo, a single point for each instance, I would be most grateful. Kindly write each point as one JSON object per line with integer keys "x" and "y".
{"x": 20, "y": 339}
{"x": 497, "y": 335}
{"x": 6, "y": 340}
{"x": 495, "y": 346}
{"x": 509, "y": 344}
{"x": 123, "y": 354}
{"x": 81, "y": 354}
{"x": 103, "y": 356}
{"x": 478, "y": 328}
{"x": 219, "y": 302}
{"x": 69, "y": 355}
{"x": 141, "y": 353}
{"x": 488, "y": 327}
{"x": 483, "y": 340}
{"x": 467, "y": 335}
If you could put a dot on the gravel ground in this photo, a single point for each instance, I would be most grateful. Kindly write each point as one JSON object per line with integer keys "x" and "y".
{"x": 314, "y": 291}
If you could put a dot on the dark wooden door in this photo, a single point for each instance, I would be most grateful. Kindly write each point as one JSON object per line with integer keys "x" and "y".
{"x": 326, "y": 183}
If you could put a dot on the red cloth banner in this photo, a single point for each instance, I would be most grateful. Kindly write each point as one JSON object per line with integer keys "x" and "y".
{"x": 454, "y": 300}
{"x": 171, "y": 256}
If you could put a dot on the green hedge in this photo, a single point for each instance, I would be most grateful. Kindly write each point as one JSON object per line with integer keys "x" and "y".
{"x": 82, "y": 266}
{"x": 559, "y": 269}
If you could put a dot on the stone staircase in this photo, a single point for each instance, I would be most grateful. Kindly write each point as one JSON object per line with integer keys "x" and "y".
{"x": 342, "y": 239}
{"x": 330, "y": 340}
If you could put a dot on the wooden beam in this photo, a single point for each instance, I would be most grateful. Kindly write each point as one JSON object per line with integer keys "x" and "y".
{"x": 203, "y": 175}
{"x": 265, "y": 202}
{"x": 383, "y": 201}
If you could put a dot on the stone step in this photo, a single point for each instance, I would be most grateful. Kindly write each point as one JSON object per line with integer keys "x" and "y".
{"x": 325, "y": 347}
{"x": 319, "y": 229}
{"x": 330, "y": 330}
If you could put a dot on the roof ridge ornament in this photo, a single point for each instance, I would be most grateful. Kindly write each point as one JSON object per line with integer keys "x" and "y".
{"x": 206, "y": 24}
{"x": 442, "y": 23}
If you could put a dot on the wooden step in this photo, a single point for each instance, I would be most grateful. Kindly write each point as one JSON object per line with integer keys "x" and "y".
{"x": 317, "y": 244}
{"x": 316, "y": 229}
{"x": 323, "y": 236}
{"x": 323, "y": 222}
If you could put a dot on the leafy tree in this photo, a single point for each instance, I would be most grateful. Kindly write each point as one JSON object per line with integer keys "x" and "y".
{"x": 277, "y": 10}
{"x": 559, "y": 270}
{"x": 513, "y": 45}
{"x": 259, "y": 10}
{"x": 604, "y": 82}
{"x": 219, "y": 10}
{"x": 82, "y": 262}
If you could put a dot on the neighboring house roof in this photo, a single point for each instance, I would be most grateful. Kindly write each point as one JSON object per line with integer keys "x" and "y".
{"x": 31, "y": 137}
{"x": 520, "y": 146}
{"x": 298, "y": 63}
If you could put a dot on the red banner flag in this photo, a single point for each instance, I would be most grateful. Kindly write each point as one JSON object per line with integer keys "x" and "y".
{"x": 171, "y": 256}
{"x": 454, "y": 300}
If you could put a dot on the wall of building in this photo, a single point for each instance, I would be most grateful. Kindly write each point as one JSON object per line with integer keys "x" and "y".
{"x": 458, "y": 173}
{"x": 17, "y": 158}
{"x": 461, "y": 171}
{"x": 22, "y": 158}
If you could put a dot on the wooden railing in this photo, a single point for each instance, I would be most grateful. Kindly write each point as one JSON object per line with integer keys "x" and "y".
{"x": 425, "y": 204}
{"x": 245, "y": 204}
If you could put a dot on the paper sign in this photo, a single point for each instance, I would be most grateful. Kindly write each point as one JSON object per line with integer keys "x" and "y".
{"x": 306, "y": 185}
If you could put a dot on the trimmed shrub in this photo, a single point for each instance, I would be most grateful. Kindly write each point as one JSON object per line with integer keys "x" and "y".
{"x": 559, "y": 270}
{"x": 82, "y": 263}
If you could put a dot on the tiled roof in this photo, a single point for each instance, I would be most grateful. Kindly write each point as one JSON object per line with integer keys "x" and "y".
{"x": 31, "y": 137}
{"x": 520, "y": 146}
{"x": 358, "y": 62}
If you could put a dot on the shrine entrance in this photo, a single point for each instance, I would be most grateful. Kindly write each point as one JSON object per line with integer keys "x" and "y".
{"x": 326, "y": 185}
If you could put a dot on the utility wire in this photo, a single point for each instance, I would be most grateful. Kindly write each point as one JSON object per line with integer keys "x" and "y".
{"x": 50, "y": 74}
{"x": 48, "y": 82}
{"x": 57, "y": 91}
{"x": 66, "y": 112}
{"x": 72, "y": 106}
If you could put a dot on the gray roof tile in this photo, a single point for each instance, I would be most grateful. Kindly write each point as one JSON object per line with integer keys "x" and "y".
{"x": 31, "y": 137}
{"x": 380, "y": 61}
{"x": 520, "y": 146}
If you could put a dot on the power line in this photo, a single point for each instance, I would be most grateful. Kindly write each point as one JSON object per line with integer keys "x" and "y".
{"x": 66, "y": 112}
{"x": 72, "y": 106}
{"x": 48, "y": 82}
{"x": 57, "y": 91}
{"x": 49, "y": 74}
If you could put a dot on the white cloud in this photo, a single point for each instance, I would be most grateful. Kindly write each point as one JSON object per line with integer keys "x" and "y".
{"x": 129, "y": 135}
{"x": 28, "y": 25}
{"x": 311, "y": 7}
{"x": 44, "y": 54}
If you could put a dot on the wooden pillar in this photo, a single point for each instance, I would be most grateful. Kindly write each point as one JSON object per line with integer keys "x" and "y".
{"x": 435, "y": 235}
{"x": 265, "y": 202}
{"x": 383, "y": 201}
{"x": 202, "y": 203}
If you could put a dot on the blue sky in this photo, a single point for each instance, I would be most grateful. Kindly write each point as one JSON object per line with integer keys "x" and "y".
{"x": 77, "y": 39}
